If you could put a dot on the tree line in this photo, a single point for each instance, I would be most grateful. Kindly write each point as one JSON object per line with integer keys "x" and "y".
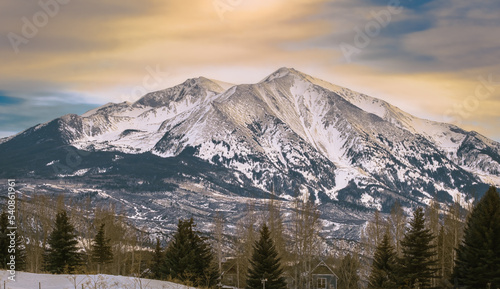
{"x": 438, "y": 247}
{"x": 454, "y": 252}
{"x": 61, "y": 235}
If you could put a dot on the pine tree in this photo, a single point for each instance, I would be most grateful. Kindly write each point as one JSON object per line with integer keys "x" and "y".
{"x": 432, "y": 223}
{"x": 478, "y": 257}
{"x": 265, "y": 264}
{"x": 189, "y": 257}
{"x": 101, "y": 249}
{"x": 383, "y": 266}
{"x": 6, "y": 250}
{"x": 157, "y": 261}
{"x": 417, "y": 265}
{"x": 62, "y": 256}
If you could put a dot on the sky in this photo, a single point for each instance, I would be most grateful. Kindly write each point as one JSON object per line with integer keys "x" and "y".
{"x": 436, "y": 59}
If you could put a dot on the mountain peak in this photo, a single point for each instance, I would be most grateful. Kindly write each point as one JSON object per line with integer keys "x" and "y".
{"x": 193, "y": 87}
{"x": 208, "y": 83}
{"x": 196, "y": 80}
{"x": 286, "y": 70}
{"x": 192, "y": 145}
{"x": 282, "y": 72}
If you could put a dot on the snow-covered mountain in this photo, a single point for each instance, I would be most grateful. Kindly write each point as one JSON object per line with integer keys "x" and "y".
{"x": 289, "y": 130}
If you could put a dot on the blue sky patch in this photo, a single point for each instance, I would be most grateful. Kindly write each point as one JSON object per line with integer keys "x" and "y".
{"x": 8, "y": 100}
{"x": 407, "y": 4}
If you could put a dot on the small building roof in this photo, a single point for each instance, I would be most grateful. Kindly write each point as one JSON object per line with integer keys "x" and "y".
{"x": 323, "y": 269}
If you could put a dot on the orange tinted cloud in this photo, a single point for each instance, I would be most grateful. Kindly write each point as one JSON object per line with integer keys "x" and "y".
{"x": 102, "y": 49}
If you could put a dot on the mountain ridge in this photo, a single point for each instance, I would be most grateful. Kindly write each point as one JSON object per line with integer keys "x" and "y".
{"x": 339, "y": 148}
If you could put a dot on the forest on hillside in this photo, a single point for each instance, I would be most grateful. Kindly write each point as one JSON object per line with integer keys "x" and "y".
{"x": 439, "y": 246}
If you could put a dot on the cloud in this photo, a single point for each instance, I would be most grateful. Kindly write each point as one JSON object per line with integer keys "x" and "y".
{"x": 91, "y": 52}
{"x": 93, "y": 45}
{"x": 18, "y": 113}
{"x": 7, "y": 100}
{"x": 407, "y": 4}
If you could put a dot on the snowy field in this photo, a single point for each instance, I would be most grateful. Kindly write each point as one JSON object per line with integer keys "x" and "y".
{"x": 49, "y": 281}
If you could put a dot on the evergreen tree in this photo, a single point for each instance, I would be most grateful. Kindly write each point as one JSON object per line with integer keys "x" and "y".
{"x": 189, "y": 257}
{"x": 19, "y": 251}
{"x": 101, "y": 249}
{"x": 383, "y": 266}
{"x": 62, "y": 256}
{"x": 417, "y": 265}
{"x": 157, "y": 261}
{"x": 478, "y": 257}
{"x": 265, "y": 264}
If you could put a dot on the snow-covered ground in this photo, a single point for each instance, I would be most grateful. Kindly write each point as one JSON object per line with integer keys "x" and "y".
{"x": 48, "y": 281}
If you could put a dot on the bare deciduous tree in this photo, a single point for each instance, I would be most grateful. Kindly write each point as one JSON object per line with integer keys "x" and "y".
{"x": 397, "y": 223}
{"x": 245, "y": 237}
{"x": 305, "y": 240}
